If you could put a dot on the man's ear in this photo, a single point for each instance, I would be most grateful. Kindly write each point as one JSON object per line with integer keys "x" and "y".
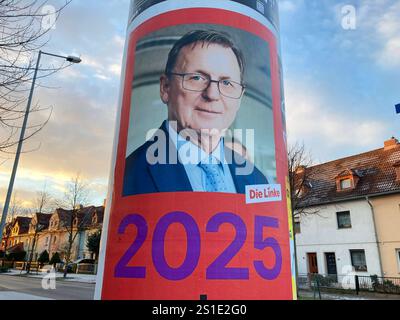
{"x": 164, "y": 88}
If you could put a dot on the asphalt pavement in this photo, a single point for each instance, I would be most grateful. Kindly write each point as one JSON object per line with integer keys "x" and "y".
{"x": 25, "y": 288}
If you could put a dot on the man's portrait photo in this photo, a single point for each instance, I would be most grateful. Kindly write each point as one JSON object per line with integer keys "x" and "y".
{"x": 192, "y": 134}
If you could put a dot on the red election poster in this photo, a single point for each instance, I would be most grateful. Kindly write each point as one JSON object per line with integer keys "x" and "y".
{"x": 198, "y": 197}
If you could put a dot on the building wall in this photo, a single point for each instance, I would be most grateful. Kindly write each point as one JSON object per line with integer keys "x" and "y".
{"x": 42, "y": 243}
{"x": 83, "y": 252}
{"x": 387, "y": 219}
{"x": 320, "y": 234}
{"x": 55, "y": 240}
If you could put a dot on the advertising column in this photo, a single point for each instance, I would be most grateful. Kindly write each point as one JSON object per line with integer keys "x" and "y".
{"x": 198, "y": 203}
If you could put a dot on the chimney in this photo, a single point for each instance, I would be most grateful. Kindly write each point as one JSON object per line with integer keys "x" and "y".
{"x": 300, "y": 169}
{"x": 391, "y": 144}
{"x": 104, "y": 203}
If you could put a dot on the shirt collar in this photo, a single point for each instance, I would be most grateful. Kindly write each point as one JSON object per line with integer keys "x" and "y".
{"x": 197, "y": 154}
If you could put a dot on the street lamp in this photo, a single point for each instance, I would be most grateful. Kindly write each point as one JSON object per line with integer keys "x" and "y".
{"x": 71, "y": 59}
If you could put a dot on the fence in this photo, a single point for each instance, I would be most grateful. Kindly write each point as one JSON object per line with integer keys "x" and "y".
{"x": 379, "y": 284}
{"x": 83, "y": 268}
{"x": 355, "y": 283}
{"x": 6, "y": 264}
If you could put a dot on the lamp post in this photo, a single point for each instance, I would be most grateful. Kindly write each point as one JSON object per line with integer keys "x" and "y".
{"x": 71, "y": 59}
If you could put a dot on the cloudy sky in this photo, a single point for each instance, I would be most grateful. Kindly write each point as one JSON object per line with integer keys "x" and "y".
{"x": 340, "y": 85}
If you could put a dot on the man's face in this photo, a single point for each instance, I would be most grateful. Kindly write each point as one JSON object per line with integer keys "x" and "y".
{"x": 207, "y": 109}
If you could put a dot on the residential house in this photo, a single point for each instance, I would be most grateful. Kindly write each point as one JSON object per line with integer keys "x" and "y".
{"x": 19, "y": 234}
{"x": 6, "y": 242}
{"x": 385, "y": 204}
{"x": 86, "y": 221}
{"x": 38, "y": 226}
{"x": 53, "y": 232}
{"x": 356, "y": 221}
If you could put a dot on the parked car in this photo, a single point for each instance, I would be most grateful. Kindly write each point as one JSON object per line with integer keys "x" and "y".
{"x": 72, "y": 266}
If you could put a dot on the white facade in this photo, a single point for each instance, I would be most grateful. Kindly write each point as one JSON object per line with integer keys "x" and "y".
{"x": 320, "y": 234}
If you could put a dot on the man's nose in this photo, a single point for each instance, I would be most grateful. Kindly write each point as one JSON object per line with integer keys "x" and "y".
{"x": 212, "y": 91}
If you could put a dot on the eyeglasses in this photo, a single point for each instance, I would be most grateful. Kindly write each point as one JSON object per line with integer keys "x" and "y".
{"x": 199, "y": 82}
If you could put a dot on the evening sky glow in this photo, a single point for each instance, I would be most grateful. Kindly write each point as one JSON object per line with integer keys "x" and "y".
{"x": 340, "y": 86}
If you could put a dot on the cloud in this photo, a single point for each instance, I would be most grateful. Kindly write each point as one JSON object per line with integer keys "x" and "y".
{"x": 102, "y": 77}
{"x": 119, "y": 42}
{"x": 115, "y": 69}
{"x": 79, "y": 134}
{"x": 289, "y": 5}
{"x": 314, "y": 119}
{"x": 380, "y": 24}
{"x": 388, "y": 29}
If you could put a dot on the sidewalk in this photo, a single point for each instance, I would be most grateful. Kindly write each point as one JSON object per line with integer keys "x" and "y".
{"x": 12, "y": 295}
{"x": 325, "y": 295}
{"x": 85, "y": 278}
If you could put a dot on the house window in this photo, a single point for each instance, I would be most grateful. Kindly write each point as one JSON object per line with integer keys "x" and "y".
{"x": 47, "y": 241}
{"x": 297, "y": 228}
{"x": 345, "y": 184}
{"x": 358, "y": 260}
{"x": 343, "y": 219}
{"x": 55, "y": 239}
{"x": 398, "y": 258}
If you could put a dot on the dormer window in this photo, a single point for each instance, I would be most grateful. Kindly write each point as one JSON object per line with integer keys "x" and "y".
{"x": 345, "y": 184}
{"x": 397, "y": 168}
{"x": 347, "y": 180}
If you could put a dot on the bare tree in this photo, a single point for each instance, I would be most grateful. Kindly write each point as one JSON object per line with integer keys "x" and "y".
{"x": 301, "y": 182}
{"x": 42, "y": 200}
{"x": 15, "y": 207}
{"x": 14, "y": 210}
{"x": 25, "y": 26}
{"x": 75, "y": 198}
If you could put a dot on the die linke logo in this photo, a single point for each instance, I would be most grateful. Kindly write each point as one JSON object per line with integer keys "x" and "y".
{"x": 263, "y": 193}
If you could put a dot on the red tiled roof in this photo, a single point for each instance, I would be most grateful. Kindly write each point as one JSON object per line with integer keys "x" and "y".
{"x": 375, "y": 169}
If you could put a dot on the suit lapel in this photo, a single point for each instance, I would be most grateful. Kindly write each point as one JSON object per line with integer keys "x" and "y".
{"x": 240, "y": 181}
{"x": 169, "y": 177}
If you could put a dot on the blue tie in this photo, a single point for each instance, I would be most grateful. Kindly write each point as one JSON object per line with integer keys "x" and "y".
{"x": 214, "y": 178}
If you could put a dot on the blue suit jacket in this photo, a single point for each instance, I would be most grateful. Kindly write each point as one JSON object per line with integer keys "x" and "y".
{"x": 141, "y": 177}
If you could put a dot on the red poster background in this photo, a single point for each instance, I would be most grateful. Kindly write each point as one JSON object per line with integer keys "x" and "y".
{"x": 201, "y": 206}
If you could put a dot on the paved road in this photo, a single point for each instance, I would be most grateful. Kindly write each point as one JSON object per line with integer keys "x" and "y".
{"x": 32, "y": 286}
